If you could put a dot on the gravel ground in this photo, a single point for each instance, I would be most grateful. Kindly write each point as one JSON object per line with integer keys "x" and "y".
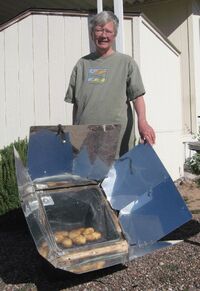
{"x": 173, "y": 268}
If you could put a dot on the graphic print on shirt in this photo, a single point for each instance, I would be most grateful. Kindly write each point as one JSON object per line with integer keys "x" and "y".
{"x": 97, "y": 75}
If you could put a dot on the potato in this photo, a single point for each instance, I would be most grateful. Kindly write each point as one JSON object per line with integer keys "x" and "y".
{"x": 78, "y": 236}
{"x": 75, "y": 232}
{"x": 60, "y": 235}
{"x": 88, "y": 230}
{"x": 63, "y": 232}
{"x": 93, "y": 236}
{"x": 97, "y": 235}
{"x": 67, "y": 242}
{"x": 79, "y": 240}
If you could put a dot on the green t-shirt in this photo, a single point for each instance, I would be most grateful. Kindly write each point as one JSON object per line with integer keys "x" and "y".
{"x": 102, "y": 88}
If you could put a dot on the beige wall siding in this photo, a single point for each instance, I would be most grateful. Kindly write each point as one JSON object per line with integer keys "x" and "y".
{"x": 56, "y": 68}
{"x": 160, "y": 68}
{"x": 74, "y": 49}
{"x": 196, "y": 51}
{"x": 36, "y": 59}
{"x": 172, "y": 18}
{"x": 40, "y": 69}
{"x": 128, "y": 39}
{"x": 12, "y": 89}
{"x": 2, "y": 91}
{"x": 25, "y": 75}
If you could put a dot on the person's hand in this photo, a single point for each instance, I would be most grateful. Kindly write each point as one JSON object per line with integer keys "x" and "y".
{"x": 147, "y": 133}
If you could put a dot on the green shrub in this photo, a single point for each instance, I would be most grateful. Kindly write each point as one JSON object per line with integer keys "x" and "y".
{"x": 193, "y": 164}
{"x": 9, "y": 198}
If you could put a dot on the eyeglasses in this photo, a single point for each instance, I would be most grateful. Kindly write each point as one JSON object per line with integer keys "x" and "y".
{"x": 100, "y": 31}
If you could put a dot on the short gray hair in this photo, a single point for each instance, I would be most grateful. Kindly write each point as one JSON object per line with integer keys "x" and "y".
{"x": 102, "y": 18}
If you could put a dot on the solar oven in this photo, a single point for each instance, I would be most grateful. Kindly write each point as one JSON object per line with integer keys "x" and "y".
{"x": 89, "y": 209}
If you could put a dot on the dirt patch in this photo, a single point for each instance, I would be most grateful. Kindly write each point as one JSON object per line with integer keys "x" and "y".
{"x": 190, "y": 191}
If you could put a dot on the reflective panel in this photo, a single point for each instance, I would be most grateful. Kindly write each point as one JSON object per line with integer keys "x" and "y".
{"x": 134, "y": 174}
{"x": 24, "y": 181}
{"x": 87, "y": 150}
{"x": 49, "y": 154}
{"x": 29, "y": 201}
{"x": 150, "y": 206}
{"x": 154, "y": 215}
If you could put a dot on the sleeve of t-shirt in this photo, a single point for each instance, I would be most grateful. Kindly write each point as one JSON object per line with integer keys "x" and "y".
{"x": 135, "y": 87}
{"x": 70, "y": 94}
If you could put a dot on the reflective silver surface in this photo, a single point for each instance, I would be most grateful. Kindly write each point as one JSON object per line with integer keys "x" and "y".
{"x": 139, "y": 187}
{"x": 30, "y": 202}
{"x": 85, "y": 150}
{"x": 24, "y": 181}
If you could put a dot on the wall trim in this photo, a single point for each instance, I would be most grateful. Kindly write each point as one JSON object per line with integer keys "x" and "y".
{"x": 29, "y": 12}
